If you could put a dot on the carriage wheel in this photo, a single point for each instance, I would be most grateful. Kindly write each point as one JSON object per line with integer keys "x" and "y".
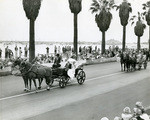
{"x": 62, "y": 82}
{"x": 67, "y": 79}
{"x": 81, "y": 77}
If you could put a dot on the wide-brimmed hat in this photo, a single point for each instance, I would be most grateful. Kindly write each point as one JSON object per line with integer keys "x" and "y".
{"x": 117, "y": 118}
{"x": 127, "y": 110}
{"x": 104, "y": 118}
{"x": 139, "y": 104}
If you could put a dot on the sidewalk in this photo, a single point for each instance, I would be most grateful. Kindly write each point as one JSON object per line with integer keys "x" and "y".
{"x": 7, "y": 71}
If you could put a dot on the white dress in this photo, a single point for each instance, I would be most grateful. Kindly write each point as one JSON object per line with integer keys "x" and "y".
{"x": 71, "y": 72}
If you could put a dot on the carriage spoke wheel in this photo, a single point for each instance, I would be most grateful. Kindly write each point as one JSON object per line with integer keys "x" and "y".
{"x": 81, "y": 77}
{"x": 62, "y": 82}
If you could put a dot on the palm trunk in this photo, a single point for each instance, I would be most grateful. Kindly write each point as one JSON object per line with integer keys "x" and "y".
{"x": 31, "y": 42}
{"x": 149, "y": 37}
{"x": 124, "y": 38}
{"x": 76, "y": 35}
{"x": 103, "y": 42}
{"x": 138, "y": 44}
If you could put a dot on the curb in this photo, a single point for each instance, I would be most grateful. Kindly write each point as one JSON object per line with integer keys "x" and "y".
{"x": 99, "y": 63}
{"x": 5, "y": 73}
{"x": 88, "y": 62}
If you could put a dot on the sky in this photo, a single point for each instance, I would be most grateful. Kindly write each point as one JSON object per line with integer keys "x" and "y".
{"x": 55, "y": 22}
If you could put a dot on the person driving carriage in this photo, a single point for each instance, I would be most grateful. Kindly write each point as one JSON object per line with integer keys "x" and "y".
{"x": 57, "y": 61}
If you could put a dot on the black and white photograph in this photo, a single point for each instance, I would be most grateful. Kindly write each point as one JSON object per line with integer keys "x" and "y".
{"x": 74, "y": 59}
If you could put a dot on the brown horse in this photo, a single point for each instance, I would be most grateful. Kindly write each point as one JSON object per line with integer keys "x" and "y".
{"x": 17, "y": 62}
{"x": 39, "y": 72}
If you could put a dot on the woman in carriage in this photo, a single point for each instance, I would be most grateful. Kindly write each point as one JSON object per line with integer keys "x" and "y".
{"x": 71, "y": 66}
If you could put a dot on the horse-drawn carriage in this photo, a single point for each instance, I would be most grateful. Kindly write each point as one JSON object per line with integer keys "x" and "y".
{"x": 36, "y": 71}
{"x": 132, "y": 62}
{"x": 61, "y": 75}
{"x": 141, "y": 62}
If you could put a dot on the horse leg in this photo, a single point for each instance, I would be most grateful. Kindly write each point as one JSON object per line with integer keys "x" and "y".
{"x": 30, "y": 83}
{"x": 26, "y": 84}
{"x": 48, "y": 80}
{"x": 124, "y": 66}
{"x": 127, "y": 66}
{"x": 40, "y": 82}
{"x": 24, "y": 79}
{"x": 35, "y": 85}
{"x": 121, "y": 67}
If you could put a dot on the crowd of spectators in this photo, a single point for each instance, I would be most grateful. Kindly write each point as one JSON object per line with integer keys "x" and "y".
{"x": 138, "y": 113}
{"x": 85, "y": 53}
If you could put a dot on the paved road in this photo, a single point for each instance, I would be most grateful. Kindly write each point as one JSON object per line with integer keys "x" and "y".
{"x": 105, "y": 93}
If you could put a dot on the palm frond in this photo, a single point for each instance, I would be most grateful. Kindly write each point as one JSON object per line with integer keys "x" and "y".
{"x": 134, "y": 16}
{"x": 144, "y": 26}
{"x": 93, "y": 10}
{"x": 139, "y": 14}
{"x": 129, "y": 4}
{"x": 131, "y": 19}
{"x": 132, "y": 23}
{"x": 148, "y": 4}
{"x": 108, "y": 8}
{"x": 144, "y": 13}
{"x": 143, "y": 18}
{"x": 117, "y": 8}
{"x": 144, "y": 8}
{"x": 130, "y": 9}
{"x": 144, "y": 5}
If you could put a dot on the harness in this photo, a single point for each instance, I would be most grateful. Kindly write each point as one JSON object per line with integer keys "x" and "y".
{"x": 30, "y": 70}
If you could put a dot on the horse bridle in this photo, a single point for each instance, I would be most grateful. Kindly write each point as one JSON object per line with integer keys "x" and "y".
{"x": 29, "y": 70}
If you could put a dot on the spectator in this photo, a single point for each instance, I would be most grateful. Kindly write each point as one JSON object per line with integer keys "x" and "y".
{"x": 140, "y": 106}
{"x": 55, "y": 49}
{"x": 16, "y": 51}
{"x": 6, "y": 52}
{"x": 58, "y": 49}
{"x": 0, "y": 53}
{"x": 20, "y": 52}
{"x": 104, "y": 118}
{"x": 26, "y": 51}
{"x": 138, "y": 114}
{"x": 47, "y": 51}
{"x": 117, "y": 118}
{"x": 126, "y": 115}
{"x": 10, "y": 53}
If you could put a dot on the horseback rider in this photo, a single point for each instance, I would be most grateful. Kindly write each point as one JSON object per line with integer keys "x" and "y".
{"x": 57, "y": 61}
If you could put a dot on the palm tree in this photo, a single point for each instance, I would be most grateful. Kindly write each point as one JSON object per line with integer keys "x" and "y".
{"x": 103, "y": 17}
{"x": 147, "y": 16}
{"x": 75, "y": 7}
{"x": 31, "y": 8}
{"x": 139, "y": 28}
{"x": 124, "y": 10}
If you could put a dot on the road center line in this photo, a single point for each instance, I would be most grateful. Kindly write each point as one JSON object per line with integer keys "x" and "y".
{"x": 10, "y": 97}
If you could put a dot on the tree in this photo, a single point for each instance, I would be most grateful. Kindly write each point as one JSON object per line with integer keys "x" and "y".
{"x": 147, "y": 17}
{"x": 139, "y": 28}
{"x": 75, "y": 7}
{"x": 124, "y": 10}
{"x": 103, "y": 17}
{"x": 31, "y": 8}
